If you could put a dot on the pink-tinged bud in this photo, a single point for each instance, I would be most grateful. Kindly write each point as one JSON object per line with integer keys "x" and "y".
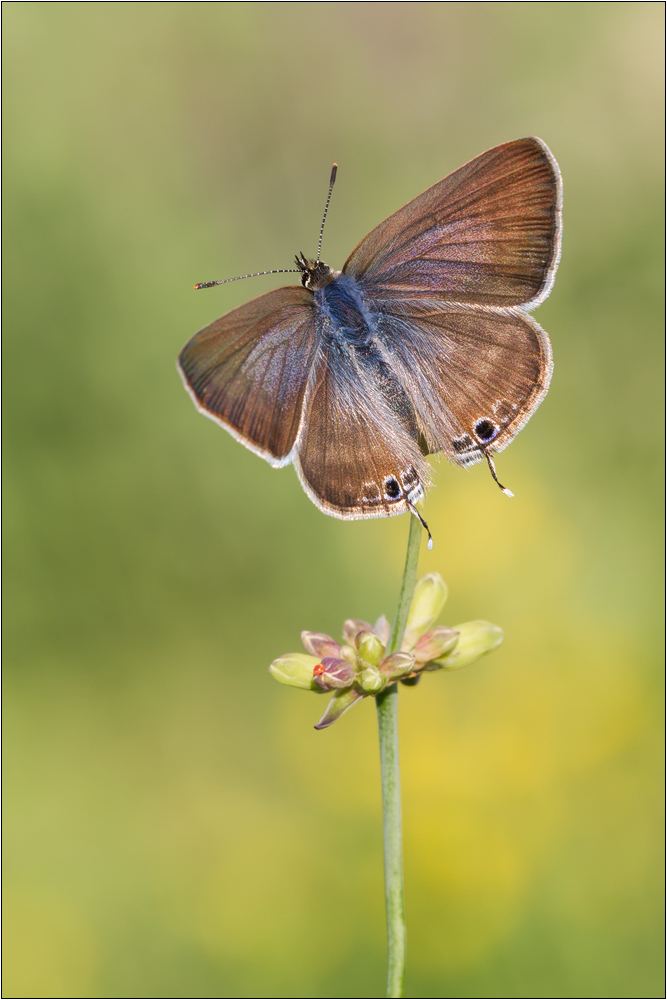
{"x": 397, "y": 665}
{"x": 370, "y": 648}
{"x": 436, "y": 642}
{"x": 333, "y": 673}
{"x": 319, "y": 644}
{"x": 339, "y": 704}
{"x": 352, "y": 627}
{"x": 429, "y": 596}
{"x": 382, "y": 629}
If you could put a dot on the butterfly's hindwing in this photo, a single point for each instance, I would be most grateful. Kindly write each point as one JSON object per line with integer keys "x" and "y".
{"x": 473, "y": 376}
{"x": 357, "y": 457}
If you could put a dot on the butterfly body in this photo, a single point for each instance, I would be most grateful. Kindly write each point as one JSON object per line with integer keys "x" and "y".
{"x": 421, "y": 343}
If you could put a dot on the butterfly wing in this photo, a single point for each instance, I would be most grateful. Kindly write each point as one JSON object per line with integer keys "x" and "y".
{"x": 249, "y": 370}
{"x": 473, "y": 376}
{"x": 356, "y": 458}
{"x": 489, "y": 234}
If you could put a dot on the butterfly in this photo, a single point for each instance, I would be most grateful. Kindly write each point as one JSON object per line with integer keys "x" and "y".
{"x": 421, "y": 344}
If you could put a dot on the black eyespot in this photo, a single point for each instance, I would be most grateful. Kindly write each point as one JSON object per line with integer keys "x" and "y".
{"x": 485, "y": 430}
{"x": 462, "y": 443}
{"x": 392, "y": 488}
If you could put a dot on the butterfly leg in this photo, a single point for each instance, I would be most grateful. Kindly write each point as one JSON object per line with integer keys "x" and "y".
{"x": 492, "y": 470}
{"x": 413, "y": 510}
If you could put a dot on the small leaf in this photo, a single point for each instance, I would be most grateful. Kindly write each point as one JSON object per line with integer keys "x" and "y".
{"x": 338, "y": 705}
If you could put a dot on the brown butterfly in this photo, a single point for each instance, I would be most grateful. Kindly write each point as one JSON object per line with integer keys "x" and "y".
{"x": 421, "y": 344}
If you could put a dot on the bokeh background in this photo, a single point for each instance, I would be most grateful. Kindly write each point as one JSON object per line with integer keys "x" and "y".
{"x": 174, "y": 825}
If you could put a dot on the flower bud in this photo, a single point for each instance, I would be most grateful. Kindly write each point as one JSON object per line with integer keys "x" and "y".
{"x": 349, "y": 654}
{"x": 434, "y": 643}
{"x": 352, "y": 627}
{"x": 333, "y": 673}
{"x": 369, "y": 647}
{"x": 320, "y": 644}
{"x": 397, "y": 665}
{"x": 382, "y": 629}
{"x": 341, "y": 701}
{"x": 475, "y": 639}
{"x": 371, "y": 680}
{"x": 427, "y": 601}
{"x": 295, "y": 669}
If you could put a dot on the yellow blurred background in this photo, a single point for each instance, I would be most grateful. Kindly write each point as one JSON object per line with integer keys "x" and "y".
{"x": 174, "y": 825}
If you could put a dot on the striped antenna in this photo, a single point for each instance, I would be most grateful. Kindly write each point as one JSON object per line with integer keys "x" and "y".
{"x": 255, "y": 274}
{"x": 332, "y": 181}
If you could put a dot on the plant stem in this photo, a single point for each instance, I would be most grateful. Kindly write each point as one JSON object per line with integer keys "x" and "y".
{"x": 407, "y": 586}
{"x": 387, "y": 706}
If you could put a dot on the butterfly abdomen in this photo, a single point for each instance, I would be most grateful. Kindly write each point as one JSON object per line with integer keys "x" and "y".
{"x": 351, "y": 327}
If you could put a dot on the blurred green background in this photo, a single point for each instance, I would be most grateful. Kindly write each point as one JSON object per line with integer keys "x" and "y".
{"x": 174, "y": 825}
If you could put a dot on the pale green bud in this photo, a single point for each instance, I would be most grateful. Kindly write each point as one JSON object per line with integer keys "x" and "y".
{"x": 397, "y": 665}
{"x": 295, "y": 669}
{"x": 475, "y": 639}
{"x": 371, "y": 680}
{"x": 436, "y": 642}
{"x": 429, "y": 596}
{"x": 349, "y": 654}
{"x": 369, "y": 648}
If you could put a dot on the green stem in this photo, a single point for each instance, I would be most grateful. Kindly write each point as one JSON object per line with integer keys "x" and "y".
{"x": 387, "y": 706}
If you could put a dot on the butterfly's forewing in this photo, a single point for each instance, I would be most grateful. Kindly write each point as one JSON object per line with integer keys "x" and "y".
{"x": 355, "y": 458}
{"x": 488, "y": 234}
{"x": 473, "y": 376}
{"x": 249, "y": 370}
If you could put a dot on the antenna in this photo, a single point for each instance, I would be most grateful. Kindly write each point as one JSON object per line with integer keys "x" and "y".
{"x": 332, "y": 181}
{"x": 255, "y": 274}
{"x": 281, "y": 270}
{"x": 413, "y": 510}
{"x": 492, "y": 470}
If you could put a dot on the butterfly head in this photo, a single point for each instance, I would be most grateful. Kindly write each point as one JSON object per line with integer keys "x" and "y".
{"x": 314, "y": 273}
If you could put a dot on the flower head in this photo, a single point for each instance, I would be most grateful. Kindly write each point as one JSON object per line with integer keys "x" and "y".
{"x": 360, "y": 666}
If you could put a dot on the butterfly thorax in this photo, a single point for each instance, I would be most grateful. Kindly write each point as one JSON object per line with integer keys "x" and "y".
{"x": 314, "y": 273}
{"x": 343, "y": 304}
